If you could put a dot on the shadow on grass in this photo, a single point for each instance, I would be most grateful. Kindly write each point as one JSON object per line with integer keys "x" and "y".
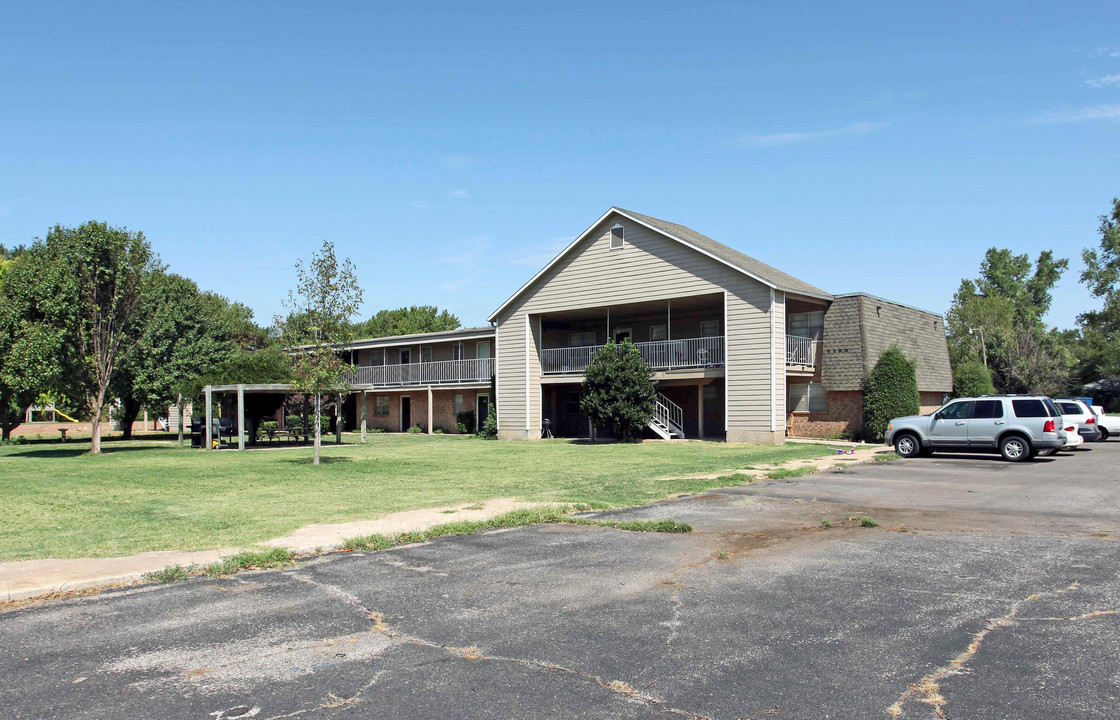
{"x": 323, "y": 460}
{"x": 75, "y": 450}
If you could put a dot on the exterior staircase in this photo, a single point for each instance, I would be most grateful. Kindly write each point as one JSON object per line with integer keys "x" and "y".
{"x": 668, "y": 419}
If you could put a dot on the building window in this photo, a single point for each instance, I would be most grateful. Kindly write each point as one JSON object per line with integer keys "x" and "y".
{"x": 425, "y": 353}
{"x": 581, "y": 339}
{"x": 618, "y": 237}
{"x": 380, "y": 404}
{"x": 457, "y": 351}
{"x": 809, "y": 397}
{"x": 807, "y": 324}
{"x": 657, "y": 332}
{"x": 377, "y": 356}
{"x": 709, "y": 328}
{"x": 458, "y": 403}
{"x": 711, "y": 394}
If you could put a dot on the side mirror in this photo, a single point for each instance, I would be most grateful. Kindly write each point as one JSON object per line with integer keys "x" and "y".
{"x": 937, "y": 416}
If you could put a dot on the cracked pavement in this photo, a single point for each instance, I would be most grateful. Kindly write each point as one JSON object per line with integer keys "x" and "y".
{"x": 989, "y": 590}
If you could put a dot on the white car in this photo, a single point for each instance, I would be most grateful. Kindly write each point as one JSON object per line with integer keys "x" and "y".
{"x": 1077, "y": 411}
{"x": 1108, "y": 424}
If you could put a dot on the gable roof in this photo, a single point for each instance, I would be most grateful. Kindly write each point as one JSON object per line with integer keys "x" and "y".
{"x": 766, "y": 274}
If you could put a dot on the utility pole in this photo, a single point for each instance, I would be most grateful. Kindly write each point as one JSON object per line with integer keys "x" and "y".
{"x": 983, "y": 347}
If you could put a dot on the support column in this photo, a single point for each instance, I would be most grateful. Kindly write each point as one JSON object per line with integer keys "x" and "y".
{"x": 240, "y": 417}
{"x": 338, "y": 420}
{"x": 208, "y": 434}
{"x": 430, "y": 410}
{"x": 363, "y": 416}
{"x": 700, "y": 411}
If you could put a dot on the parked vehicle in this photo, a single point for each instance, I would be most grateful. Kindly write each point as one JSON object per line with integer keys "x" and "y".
{"x": 1075, "y": 409}
{"x": 1016, "y": 426}
{"x": 1073, "y": 438}
{"x": 1109, "y": 424}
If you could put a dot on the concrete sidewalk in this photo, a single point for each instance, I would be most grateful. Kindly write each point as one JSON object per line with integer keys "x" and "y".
{"x": 28, "y": 579}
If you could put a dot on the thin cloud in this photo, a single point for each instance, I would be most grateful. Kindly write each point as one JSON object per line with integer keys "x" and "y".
{"x": 1104, "y": 81}
{"x": 542, "y": 253}
{"x": 1078, "y": 115}
{"x": 795, "y": 138}
{"x": 458, "y": 194}
{"x": 466, "y": 260}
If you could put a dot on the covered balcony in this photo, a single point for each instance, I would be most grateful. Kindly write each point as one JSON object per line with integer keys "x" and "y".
{"x": 440, "y": 372}
{"x": 804, "y": 332}
{"x": 676, "y": 334}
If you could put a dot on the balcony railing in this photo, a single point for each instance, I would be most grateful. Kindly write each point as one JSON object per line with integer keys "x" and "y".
{"x": 660, "y": 355}
{"x": 801, "y": 351}
{"x": 442, "y": 372}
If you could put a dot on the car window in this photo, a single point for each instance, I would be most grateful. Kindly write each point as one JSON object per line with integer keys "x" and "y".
{"x": 957, "y": 410}
{"x": 1070, "y": 408}
{"x": 1030, "y": 408}
{"x": 987, "y": 409}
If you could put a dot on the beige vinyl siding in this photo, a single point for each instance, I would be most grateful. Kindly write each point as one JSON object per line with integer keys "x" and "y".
{"x": 649, "y": 267}
{"x": 511, "y": 375}
{"x": 779, "y": 361}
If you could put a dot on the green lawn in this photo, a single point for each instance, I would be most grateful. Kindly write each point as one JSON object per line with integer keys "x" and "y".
{"x": 58, "y": 501}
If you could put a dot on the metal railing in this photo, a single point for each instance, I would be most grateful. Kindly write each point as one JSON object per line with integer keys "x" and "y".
{"x": 660, "y": 355}
{"x": 441, "y": 372}
{"x": 801, "y": 351}
{"x": 668, "y": 414}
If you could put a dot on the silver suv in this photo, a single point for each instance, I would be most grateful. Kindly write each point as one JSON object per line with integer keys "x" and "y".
{"x": 1016, "y": 426}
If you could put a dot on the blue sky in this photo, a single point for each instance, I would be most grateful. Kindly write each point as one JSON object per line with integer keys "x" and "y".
{"x": 451, "y": 150}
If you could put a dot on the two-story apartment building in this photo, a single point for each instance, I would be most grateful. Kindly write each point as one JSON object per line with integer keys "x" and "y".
{"x": 740, "y": 350}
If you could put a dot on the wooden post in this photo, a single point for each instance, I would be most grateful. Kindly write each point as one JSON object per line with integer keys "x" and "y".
{"x": 363, "y": 416}
{"x": 208, "y": 435}
{"x": 240, "y": 417}
{"x": 429, "y": 409}
{"x": 700, "y": 414}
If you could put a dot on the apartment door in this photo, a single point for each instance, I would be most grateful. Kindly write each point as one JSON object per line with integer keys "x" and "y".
{"x": 406, "y": 413}
{"x": 482, "y": 410}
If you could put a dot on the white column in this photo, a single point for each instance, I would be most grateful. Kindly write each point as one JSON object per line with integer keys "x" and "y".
{"x": 700, "y": 412}
{"x": 338, "y": 421}
{"x": 430, "y": 409}
{"x": 208, "y": 433}
{"x": 240, "y": 417}
{"x": 363, "y": 416}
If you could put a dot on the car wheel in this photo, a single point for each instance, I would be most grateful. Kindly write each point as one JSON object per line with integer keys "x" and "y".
{"x": 907, "y": 445}
{"x": 1047, "y": 452}
{"x": 1015, "y": 448}
{"x": 1104, "y": 435}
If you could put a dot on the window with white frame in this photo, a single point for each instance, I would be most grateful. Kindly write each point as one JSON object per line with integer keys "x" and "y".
{"x": 377, "y": 356}
{"x": 581, "y": 339}
{"x": 457, "y": 351}
{"x": 657, "y": 332}
{"x": 380, "y": 404}
{"x": 709, "y": 328}
{"x": 807, "y": 324}
{"x": 808, "y": 397}
{"x": 618, "y": 237}
{"x": 425, "y": 353}
{"x": 458, "y": 403}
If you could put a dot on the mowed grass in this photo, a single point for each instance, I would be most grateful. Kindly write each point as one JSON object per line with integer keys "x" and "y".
{"x": 58, "y": 501}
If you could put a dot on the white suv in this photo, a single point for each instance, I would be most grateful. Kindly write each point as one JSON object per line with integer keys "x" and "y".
{"x": 1083, "y": 415}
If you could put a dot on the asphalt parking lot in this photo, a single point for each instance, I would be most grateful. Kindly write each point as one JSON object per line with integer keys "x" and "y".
{"x": 987, "y": 590}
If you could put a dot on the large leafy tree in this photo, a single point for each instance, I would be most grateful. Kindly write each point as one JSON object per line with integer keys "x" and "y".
{"x": 997, "y": 319}
{"x": 618, "y": 390}
{"x": 407, "y": 321}
{"x": 179, "y": 333}
{"x": 32, "y": 331}
{"x": 104, "y": 283}
{"x": 325, "y": 298}
{"x": 1100, "y": 329}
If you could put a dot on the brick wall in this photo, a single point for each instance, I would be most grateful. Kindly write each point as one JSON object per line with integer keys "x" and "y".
{"x": 443, "y": 409}
{"x": 845, "y": 415}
